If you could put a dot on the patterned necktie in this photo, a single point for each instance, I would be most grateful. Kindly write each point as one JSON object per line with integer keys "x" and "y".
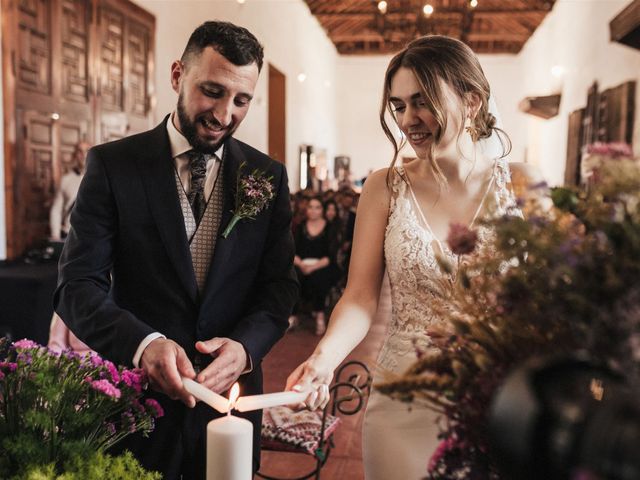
{"x": 198, "y": 168}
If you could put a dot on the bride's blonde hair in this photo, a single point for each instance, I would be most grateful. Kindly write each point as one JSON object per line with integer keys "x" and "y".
{"x": 433, "y": 58}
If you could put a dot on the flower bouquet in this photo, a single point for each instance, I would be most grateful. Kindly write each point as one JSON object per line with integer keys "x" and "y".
{"x": 555, "y": 283}
{"x": 60, "y": 412}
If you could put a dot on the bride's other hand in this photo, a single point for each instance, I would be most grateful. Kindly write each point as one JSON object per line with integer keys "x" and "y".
{"x": 312, "y": 376}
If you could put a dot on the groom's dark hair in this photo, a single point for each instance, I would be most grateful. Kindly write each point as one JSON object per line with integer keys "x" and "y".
{"x": 236, "y": 44}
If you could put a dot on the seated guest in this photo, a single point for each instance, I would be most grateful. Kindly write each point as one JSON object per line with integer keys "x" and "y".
{"x": 335, "y": 228}
{"x": 313, "y": 262}
{"x": 65, "y": 196}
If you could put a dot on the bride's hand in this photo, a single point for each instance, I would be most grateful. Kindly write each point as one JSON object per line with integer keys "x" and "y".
{"x": 313, "y": 376}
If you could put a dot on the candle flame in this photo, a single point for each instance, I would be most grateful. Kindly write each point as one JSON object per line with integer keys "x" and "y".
{"x": 233, "y": 395}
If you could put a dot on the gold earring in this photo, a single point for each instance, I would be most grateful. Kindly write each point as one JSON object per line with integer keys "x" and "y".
{"x": 473, "y": 131}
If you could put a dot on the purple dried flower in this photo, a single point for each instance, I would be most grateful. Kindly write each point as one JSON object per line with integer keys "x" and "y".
{"x": 24, "y": 357}
{"x": 95, "y": 359}
{"x": 107, "y": 388}
{"x": 129, "y": 421}
{"x": 8, "y": 366}
{"x": 111, "y": 428}
{"x": 113, "y": 371}
{"x": 155, "y": 407}
{"x": 133, "y": 379}
{"x": 461, "y": 239}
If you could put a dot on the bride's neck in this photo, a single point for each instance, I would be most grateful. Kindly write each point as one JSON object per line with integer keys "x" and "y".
{"x": 460, "y": 173}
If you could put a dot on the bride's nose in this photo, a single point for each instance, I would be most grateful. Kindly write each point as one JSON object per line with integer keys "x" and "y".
{"x": 409, "y": 118}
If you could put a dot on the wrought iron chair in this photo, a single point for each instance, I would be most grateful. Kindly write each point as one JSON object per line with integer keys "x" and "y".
{"x": 351, "y": 386}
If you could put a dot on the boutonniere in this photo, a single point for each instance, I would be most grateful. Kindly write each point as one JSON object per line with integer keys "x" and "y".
{"x": 253, "y": 193}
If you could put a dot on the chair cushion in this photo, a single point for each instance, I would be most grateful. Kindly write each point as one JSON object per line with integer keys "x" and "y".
{"x": 284, "y": 429}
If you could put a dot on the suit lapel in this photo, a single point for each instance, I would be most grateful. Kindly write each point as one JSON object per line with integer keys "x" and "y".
{"x": 158, "y": 176}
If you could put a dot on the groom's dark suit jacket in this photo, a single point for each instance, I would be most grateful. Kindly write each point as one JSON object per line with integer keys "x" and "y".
{"x": 126, "y": 268}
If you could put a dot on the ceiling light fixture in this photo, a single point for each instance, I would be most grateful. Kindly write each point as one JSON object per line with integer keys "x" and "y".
{"x": 427, "y": 10}
{"x": 302, "y": 77}
{"x": 382, "y": 6}
{"x": 241, "y": 1}
{"x": 473, "y": 3}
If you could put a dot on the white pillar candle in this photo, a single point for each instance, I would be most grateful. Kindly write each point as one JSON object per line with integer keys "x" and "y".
{"x": 229, "y": 449}
{"x": 256, "y": 402}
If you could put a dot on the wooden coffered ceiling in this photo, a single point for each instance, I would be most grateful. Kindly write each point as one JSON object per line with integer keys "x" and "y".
{"x": 493, "y": 26}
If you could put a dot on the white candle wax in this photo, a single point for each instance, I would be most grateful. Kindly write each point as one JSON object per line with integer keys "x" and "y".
{"x": 256, "y": 402}
{"x": 212, "y": 399}
{"x": 229, "y": 449}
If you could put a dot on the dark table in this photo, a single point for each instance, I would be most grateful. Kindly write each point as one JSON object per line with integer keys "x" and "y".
{"x": 26, "y": 293}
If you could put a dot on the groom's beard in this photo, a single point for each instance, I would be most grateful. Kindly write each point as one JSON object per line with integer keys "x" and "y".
{"x": 191, "y": 134}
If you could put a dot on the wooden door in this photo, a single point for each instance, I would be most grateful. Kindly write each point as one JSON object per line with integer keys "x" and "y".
{"x": 66, "y": 69}
{"x": 277, "y": 114}
{"x": 574, "y": 148}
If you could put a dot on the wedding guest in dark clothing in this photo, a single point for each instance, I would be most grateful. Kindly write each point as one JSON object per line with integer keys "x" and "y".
{"x": 314, "y": 258}
{"x": 335, "y": 228}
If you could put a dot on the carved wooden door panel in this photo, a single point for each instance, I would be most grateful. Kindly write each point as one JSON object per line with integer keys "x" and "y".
{"x": 44, "y": 153}
{"x": 125, "y": 51}
{"x": 73, "y": 70}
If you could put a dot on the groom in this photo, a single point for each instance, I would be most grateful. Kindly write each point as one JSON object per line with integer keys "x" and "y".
{"x": 146, "y": 277}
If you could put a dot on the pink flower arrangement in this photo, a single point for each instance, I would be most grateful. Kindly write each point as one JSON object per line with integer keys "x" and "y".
{"x": 49, "y": 401}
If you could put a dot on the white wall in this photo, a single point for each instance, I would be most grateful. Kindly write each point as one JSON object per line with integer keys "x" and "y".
{"x": 3, "y": 231}
{"x": 576, "y": 36}
{"x": 359, "y": 92}
{"x": 293, "y": 41}
{"x": 358, "y": 95}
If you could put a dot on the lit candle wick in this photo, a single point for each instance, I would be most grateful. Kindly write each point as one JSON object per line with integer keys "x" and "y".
{"x": 233, "y": 397}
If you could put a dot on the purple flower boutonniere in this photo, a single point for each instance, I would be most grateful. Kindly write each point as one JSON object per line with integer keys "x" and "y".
{"x": 253, "y": 194}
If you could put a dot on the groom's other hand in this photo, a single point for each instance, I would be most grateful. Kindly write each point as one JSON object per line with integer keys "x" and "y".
{"x": 229, "y": 363}
{"x": 165, "y": 363}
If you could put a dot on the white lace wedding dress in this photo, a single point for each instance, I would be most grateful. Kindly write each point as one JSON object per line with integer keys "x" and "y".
{"x": 398, "y": 438}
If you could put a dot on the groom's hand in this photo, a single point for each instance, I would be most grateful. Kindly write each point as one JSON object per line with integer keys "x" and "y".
{"x": 230, "y": 361}
{"x": 165, "y": 362}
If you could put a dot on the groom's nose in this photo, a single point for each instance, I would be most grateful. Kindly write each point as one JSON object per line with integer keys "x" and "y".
{"x": 223, "y": 112}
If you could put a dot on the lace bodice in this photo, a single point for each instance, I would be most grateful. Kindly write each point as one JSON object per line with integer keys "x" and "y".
{"x": 413, "y": 270}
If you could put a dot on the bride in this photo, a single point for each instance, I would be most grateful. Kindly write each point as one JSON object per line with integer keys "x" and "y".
{"x": 438, "y": 95}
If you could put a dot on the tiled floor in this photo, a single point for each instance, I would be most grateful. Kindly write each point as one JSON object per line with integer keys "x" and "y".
{"x": 345, "y": 462}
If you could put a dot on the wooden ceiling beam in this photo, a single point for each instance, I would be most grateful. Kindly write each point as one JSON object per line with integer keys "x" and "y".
{"x": 471, "y": 37}
{"x": 358, "y": 37}
{"x": 497, "y": 37}
{"x": 402, "y": 15}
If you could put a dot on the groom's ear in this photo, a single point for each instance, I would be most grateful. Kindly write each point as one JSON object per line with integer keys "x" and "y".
{"x": 178, "y": 71}
{"x": 473, "y": 102}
